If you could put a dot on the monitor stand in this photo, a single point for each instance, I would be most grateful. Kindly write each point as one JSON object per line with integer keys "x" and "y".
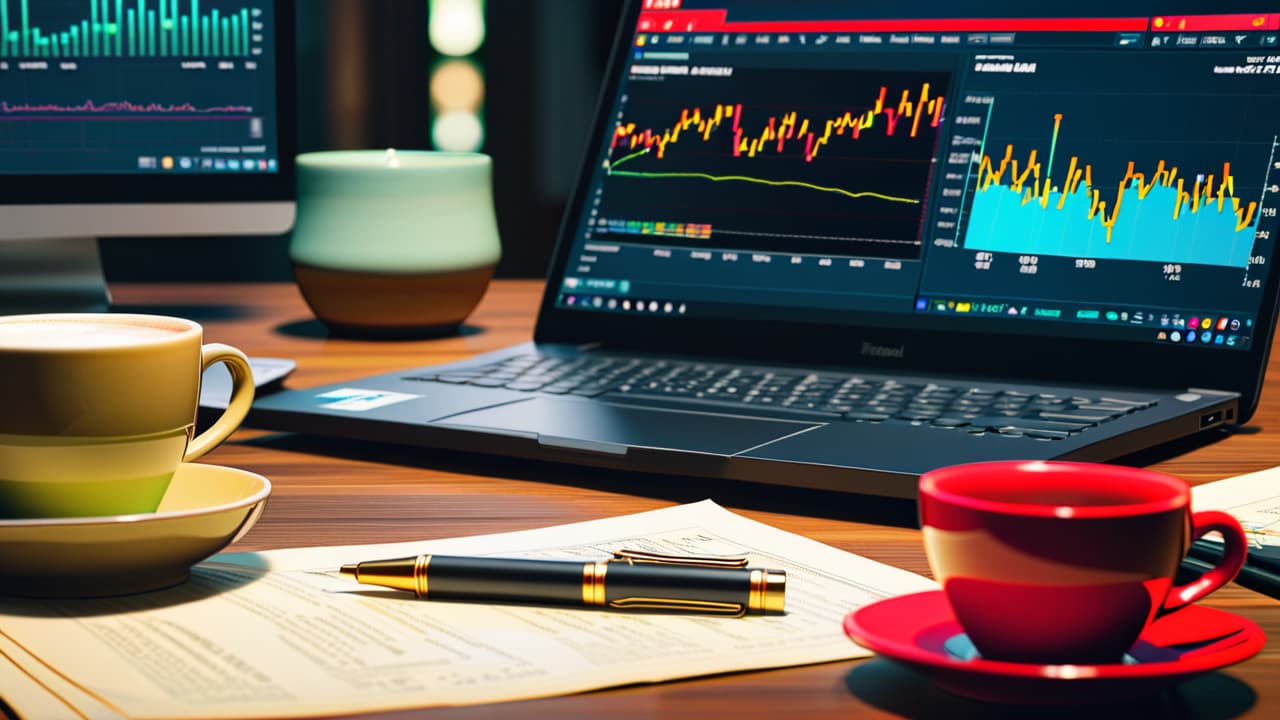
{"x": 52, "y": 275}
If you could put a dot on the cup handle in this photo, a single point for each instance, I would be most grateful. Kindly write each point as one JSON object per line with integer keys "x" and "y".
{"x": 1234, "y": 549}
{"x": 241, "y": 398}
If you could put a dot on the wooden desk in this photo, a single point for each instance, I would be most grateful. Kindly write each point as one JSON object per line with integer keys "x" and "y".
{"x": 334, "y": 492}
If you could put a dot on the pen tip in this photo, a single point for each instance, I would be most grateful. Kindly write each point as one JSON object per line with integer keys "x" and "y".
{"x": 350, "y": 570}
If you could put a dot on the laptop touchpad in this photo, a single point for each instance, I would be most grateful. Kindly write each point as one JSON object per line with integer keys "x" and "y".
{"x": 601, "y": 426}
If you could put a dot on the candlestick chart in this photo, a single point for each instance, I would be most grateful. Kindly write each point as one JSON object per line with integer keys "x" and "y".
{"x": 1032, "y": 202}
{"x": 922, "y": 107}
{"x": 776, "y": 159}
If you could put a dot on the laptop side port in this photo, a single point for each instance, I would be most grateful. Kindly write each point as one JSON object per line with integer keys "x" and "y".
{"x": 1211, "y": 418}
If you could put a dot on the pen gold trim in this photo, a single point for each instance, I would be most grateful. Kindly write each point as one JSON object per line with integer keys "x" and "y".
{"x": 420, "y": 574}
{"x": 771, "y": 595}
{"x": 707, "y": 606}
{"x": 755, "y": 596}
{"x": 593, "y": 590}
{"x": 645, "y": 556}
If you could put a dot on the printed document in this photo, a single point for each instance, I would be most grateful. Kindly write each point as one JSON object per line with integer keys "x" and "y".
{"x": 1253, "y": 499}
{"x": 280, "y": 634}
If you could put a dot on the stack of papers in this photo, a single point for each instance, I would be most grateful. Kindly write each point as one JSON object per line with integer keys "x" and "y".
{"x": 1254, "y": 500}
{"x": 279, "y": 634}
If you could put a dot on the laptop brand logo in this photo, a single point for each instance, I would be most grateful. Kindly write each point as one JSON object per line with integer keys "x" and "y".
{"x": 884, "y": 351}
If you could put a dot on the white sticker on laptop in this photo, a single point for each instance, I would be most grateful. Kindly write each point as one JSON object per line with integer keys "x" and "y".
{"x": 357, "y": 400}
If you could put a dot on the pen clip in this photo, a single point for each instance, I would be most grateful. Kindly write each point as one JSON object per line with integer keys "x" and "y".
{"x": 712, "y": 561}
{"x": 703, "y": 606}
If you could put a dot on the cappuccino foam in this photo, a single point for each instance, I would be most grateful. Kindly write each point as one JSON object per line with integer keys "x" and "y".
{"x": 37, "y": 334}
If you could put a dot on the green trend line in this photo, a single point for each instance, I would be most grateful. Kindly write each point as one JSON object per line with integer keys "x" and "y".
{"x": 611, "y": 169}
{"x": 637, "y": 153}
{"x": 761, "y": 181}
{"x": 1053, "y": 146}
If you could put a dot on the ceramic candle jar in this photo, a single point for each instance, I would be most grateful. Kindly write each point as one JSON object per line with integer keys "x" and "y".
{"x": 394, "y": 242}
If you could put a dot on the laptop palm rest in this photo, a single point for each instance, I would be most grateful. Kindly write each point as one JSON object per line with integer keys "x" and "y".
{"x": 607, "y": 428}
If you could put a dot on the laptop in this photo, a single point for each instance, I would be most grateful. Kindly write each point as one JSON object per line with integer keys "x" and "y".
{"x": 837, "y": 244}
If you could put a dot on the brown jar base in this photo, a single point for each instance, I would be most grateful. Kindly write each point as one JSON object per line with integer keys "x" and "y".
{"x": 360, "y": 304}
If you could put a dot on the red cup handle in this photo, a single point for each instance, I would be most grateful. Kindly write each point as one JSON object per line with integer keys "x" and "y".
{"x": 1234, "y": 548}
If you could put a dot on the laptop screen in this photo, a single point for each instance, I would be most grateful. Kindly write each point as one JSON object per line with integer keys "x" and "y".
{"x": 1093, "y": 170}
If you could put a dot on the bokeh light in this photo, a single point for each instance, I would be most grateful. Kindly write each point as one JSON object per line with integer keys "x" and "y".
{"x": 456, "y": 84}
{"x": 456, "y": 27}
{"x": 457, "y": 131}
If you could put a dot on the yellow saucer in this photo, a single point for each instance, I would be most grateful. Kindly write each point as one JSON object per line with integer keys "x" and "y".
{"x": 206, "y": 508}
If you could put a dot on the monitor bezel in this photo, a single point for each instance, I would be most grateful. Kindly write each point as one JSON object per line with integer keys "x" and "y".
{"x": 180, "y": 187}
{"x": 999, "y": 350}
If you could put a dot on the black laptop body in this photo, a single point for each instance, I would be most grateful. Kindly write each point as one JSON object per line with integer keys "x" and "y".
{"x": 835, "y": 245}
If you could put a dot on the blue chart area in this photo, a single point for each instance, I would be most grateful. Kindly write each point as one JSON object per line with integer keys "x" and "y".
{"x": 1159, "y": 215}
{"x": 1001, "y": 220}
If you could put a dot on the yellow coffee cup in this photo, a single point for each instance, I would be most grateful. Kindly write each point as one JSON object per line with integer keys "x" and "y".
{"x": 98, "y": 410}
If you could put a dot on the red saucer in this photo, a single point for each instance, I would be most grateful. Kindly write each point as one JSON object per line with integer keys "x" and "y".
{"x": 914, "y": 628}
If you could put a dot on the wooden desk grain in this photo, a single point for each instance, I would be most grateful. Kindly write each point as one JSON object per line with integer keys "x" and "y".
{"x": 335, "y": 492}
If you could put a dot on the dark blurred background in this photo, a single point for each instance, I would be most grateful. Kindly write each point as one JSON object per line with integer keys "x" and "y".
{"x": 516, "y": 79}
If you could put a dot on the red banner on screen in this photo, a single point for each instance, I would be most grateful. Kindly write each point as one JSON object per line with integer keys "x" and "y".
{"x": 1209, "y": 23}
{"x": 717, "y": 21}
{"x": 684, "y": 21}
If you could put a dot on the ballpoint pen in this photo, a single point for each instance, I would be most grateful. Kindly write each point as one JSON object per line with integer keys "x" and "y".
{"x": 631, "y": 580}
{"x": 1261, "y": 571}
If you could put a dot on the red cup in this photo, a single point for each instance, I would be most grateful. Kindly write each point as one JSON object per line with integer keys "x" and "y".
{"x": 1065, "y": 563}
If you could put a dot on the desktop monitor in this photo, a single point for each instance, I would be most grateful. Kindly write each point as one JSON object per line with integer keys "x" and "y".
{"x": 137, "y": 117}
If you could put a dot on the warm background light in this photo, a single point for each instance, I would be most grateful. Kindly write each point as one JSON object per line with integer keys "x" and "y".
{"x": 456, "y": 84}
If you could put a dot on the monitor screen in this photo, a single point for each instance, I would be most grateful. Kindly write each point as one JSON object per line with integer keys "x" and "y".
{"x": 145, "y": 101}
{"x": 1092, "y": 170}
{"x": 136, "y": 117}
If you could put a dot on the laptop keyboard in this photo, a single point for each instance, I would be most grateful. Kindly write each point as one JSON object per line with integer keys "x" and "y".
{"x": 827, "y": 396}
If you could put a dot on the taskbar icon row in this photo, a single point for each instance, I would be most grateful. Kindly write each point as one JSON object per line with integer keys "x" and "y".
{"x": 1202, "y": 337}
{"x": 1187, "y": 327}
{"x": 179, "y": 163}
{"x": 1206, "y": 329}
{"x": 635, "y": 306}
